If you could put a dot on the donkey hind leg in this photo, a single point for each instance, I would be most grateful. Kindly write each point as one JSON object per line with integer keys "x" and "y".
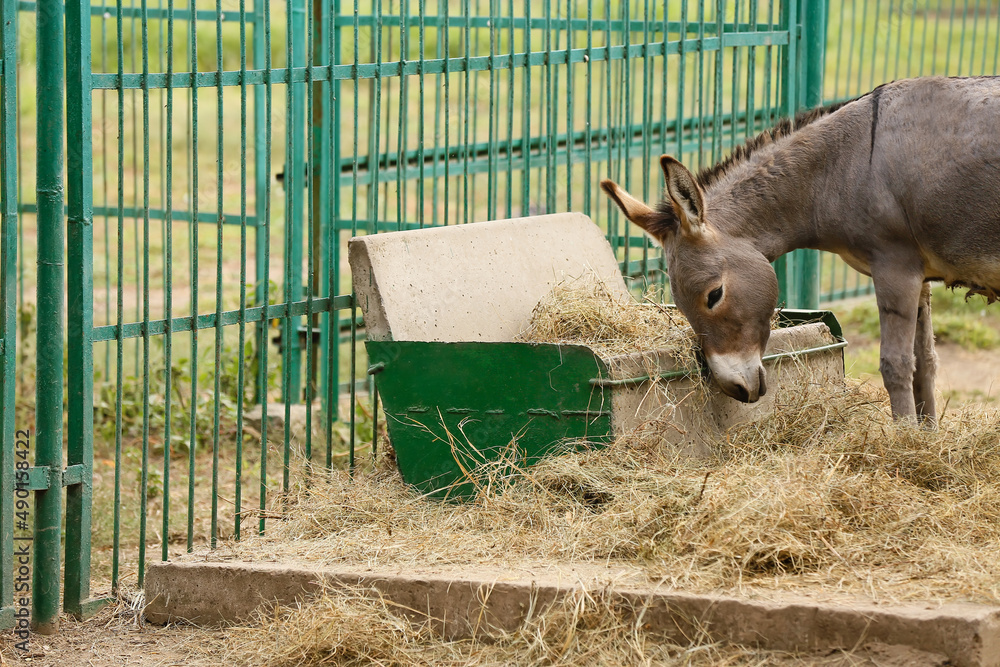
{"x": 898, "y": 298}
{"x": 926, "y": 358}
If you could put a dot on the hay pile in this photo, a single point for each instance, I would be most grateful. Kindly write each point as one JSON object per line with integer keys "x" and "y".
{"x": 585, "y": 312}
{"x": 360, "y": 628}
{"x": 827, "y": 492}
{"x": 827, "y": 496}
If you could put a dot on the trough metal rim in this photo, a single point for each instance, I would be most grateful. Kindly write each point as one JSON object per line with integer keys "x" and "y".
{"x": 670, "y": 375}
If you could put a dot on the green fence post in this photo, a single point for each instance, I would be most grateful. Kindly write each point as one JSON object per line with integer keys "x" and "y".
{"x": 801, "y": 86}
{"x": 811, "y": 54}
{"x": 80, "y": 298}
{"x": 295, "y": 183}
{"x": 784, "y": 266}
{"x": 49, "y": 335}
{"x": 331, "y": 341}
{"x": 8, "y": 299}
{"x": 814, "y": 50}
{"x": 262, "y": 181}
{"x": 320, "y": 158}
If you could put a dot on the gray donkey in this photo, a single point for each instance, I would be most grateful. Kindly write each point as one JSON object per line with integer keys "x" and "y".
{"x": 903, "y": 183}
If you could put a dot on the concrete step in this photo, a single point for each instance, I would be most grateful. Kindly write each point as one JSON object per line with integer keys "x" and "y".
{"x": 465, "y": 602}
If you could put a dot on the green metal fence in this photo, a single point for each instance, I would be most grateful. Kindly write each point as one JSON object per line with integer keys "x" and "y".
{"x": 218, "y": 155}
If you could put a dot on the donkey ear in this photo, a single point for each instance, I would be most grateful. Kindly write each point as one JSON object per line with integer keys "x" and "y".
{"x": 685, "y": 195}
{"x": 634, "y": 210}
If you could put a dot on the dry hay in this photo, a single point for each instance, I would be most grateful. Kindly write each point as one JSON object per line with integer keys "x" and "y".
{"x": 585, "y": 312}
{"x": 360, "y": 627}
{"x": 826, "y": 496}
{"x": 827, "y": 493}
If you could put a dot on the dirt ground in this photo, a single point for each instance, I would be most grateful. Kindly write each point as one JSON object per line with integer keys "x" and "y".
{"x": 963, "y": 375}
{"x": 115, "y": 637}
{"x": 971, "y": 374}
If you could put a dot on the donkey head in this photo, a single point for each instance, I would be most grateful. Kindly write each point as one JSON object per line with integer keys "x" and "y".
{"x": 724, "y": 286}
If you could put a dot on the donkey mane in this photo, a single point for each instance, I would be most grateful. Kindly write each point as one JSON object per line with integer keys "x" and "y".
{"x": 666, "y": 220}
{"x": 785, "y": 127}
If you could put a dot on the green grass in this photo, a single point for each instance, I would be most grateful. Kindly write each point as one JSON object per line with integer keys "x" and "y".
{"x": 968, "y": 324}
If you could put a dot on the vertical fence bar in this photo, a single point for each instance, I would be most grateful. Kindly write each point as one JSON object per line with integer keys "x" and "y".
{"x": 786, "y": 266}
{"x": 811, "y": 63}
{"x": 264, "y": 246}
{"x": 751, "y": 125}
{"x": 120, "y": 302}
{"x": 136, "y": 171}
{"x": 80, "y": 297}
{"x": 49, "y": 335}
{"x": 168, "y": 271}
{"x": 588, "y": 108}
{"x": 421, "y": 101}
{"x": 241, "y": 353}
{"x": 400, "y": 121}
{"x": 193, "y": 433}
{"x": 647, "y": 171}
{"x": 354, "y": 218}
{"x": 331, "y": 343}
{"x": 720, "y": 26}
{"x": 8, "y": 297}
{"x": 734, "y": 82}
{"x": 220, "y": 177}
{"x": 467, "y": 90}
{"x": 509, "y": 209}
{"x": 291, "y": 222}
{"x": 262, "y": 182}
{"x": 13, "y": 29}
{"x": 491, "y": 132}
{"x": 295, "y": 180}
{"x": 105, "y": 199}
{"x": 314, "y": 107}
{"x": 321, "y": 159}
{"x": 144, "y": 470}
{"x": 814, "y": 27}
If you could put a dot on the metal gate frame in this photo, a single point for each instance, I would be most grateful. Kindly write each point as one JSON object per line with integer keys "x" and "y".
{"x": 8, "y": 302}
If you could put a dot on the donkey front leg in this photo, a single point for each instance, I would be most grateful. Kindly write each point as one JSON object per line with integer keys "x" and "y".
{"x": 926, "y": 360}
{"x": 898, "y": 298}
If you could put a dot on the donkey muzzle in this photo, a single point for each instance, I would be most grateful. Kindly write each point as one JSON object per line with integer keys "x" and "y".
{"x": 739, "y": 377}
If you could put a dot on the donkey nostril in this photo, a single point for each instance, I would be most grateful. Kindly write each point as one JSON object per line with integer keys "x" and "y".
{"x": 763, "y": 381}
{"x": 741, "y": 393}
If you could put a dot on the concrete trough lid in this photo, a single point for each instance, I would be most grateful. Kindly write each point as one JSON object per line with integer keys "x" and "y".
{"x": 465, "y": 602}
{"x": 475, "y": 282}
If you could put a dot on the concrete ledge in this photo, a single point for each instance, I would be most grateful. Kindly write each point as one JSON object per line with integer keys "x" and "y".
{"x": 477, "y": 603}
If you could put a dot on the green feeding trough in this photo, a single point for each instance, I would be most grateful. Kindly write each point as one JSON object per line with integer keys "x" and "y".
{"x": 442, "y": 307}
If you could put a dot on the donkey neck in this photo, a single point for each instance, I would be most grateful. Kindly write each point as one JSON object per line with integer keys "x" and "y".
{"x": 769, "y": 199}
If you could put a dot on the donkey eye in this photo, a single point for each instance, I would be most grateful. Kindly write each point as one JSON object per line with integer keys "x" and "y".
{"x": 714, "y": 296}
